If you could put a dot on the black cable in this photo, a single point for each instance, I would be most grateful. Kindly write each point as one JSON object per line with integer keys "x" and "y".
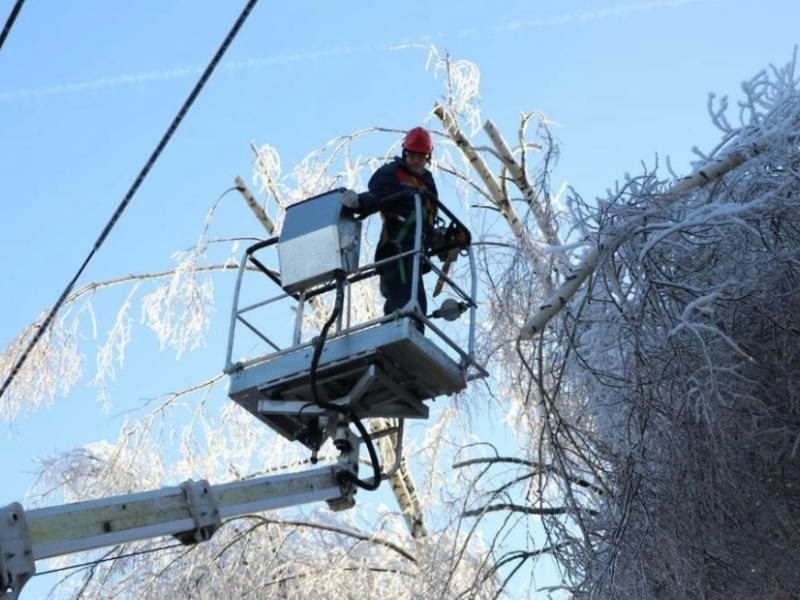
{"x": 10, "y": 21}
{"x": 373, "y": 457}
{"x": 126, "y": 200}
{"x": 108, "y": 559}
{"x": 319, "y": 343}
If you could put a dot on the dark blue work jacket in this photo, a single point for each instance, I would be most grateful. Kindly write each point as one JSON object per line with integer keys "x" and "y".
{"x": 395, "y": 177}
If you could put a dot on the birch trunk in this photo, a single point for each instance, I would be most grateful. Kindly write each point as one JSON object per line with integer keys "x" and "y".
{"x": 546, "y": 223}
{"x": 496, "y": 194}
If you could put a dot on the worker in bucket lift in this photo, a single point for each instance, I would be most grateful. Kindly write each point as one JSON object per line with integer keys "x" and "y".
{"x": 404, "y": 173}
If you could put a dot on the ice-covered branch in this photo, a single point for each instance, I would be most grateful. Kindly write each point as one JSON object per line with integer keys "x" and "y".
{"x": 708, "y": 173}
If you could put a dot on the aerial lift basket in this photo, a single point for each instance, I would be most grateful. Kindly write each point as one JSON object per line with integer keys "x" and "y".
{"x": 384, "y": 367}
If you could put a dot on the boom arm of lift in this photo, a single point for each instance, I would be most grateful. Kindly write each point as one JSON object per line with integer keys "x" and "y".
{"x": 191, "y": 512}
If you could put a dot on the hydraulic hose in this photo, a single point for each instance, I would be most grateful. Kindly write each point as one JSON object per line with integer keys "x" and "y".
{"x": 319, "y": 343}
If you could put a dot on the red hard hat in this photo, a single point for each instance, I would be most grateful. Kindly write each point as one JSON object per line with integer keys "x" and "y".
{"x": 418, "y": 140}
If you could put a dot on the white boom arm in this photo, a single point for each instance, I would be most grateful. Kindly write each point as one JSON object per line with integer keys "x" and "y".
{"x": 191, "y": 512}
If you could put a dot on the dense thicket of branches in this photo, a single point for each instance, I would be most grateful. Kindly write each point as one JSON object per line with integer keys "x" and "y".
{"x": 682, "y": 358}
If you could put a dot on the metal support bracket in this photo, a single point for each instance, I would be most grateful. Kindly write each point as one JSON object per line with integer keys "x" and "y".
{"x": 17, "y": 565}
{"x": 349, "y": 444}
{"x": 202, "y": 506}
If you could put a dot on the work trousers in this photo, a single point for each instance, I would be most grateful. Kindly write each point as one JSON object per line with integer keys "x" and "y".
{"x": 397, "y": 289}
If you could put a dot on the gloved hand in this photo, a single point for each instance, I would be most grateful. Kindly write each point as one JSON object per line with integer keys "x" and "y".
{"x": 350, "y": 199}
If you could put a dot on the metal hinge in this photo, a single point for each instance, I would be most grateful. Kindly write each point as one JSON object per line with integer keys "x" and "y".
{"x": 202, "y": 505}
{"x": 16, "y": 555}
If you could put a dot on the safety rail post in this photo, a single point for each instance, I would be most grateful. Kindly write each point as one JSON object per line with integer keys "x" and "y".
{"x": 413, "y": 300}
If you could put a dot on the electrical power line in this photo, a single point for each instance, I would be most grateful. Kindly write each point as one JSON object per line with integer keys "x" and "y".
{"x": 93, "y": 563}
{"x": 126, "y": 200}
{"x": 10, "y": 21}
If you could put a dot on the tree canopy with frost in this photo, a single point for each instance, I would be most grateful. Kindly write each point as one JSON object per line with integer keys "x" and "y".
{"x": 644, "y": 363}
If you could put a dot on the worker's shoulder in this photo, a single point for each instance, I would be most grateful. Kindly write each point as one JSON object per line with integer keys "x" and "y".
{"x": 397, "y": 164}
{"x": 390, "y": 167}
{"x": 395, "y": 173}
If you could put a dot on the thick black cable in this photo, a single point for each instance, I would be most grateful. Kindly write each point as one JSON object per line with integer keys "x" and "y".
{"x": 129, "y": 196}
{"x": 319, "y": 344}
{"x": 10, "y": 22}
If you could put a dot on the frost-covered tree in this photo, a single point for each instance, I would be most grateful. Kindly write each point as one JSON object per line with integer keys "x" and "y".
{"x": 683, "y": 354}
{"x": 649, "y": 433}
{"x": 662, "y": 395}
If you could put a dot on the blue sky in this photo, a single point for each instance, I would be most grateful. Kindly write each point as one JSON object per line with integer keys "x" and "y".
{"x": 88, "y": 88}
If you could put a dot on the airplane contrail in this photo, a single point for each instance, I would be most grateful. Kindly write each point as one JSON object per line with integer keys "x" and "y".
{"x": 231, "y": 67}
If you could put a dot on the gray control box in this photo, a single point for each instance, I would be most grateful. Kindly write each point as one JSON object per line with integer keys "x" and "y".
{"x": 319, "y": 237}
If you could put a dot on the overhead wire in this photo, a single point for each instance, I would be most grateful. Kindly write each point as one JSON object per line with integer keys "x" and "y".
{"x": 10, "y": 22}
{"x": 129, "y": 196}
{"x": 92, "y": 563}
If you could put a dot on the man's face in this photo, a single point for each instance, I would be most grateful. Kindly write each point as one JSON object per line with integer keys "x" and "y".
{"x": 416, "y": 161}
